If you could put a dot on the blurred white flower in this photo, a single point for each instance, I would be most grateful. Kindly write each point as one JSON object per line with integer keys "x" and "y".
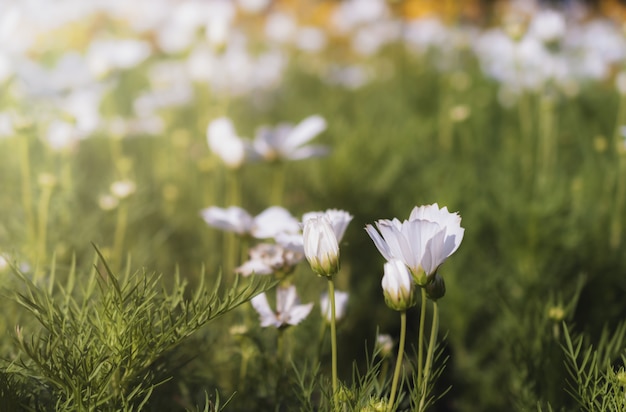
{"x": 287, "y": 142}
{"x": 220, "y": 17}
{"x": 6, "y": 125}
{"x": 61, "y": 135}
{"x": 253, "y": 6}
{"x": 384, "y": 343}
{"x": 422, "y": 243}
{"x": 231, "y": 219}
{"x": 280, "y": 27}
{"x": 398, "y": 287}
{"x": 341, "y": 304}
{"x": 108, "y": 202}
{"x": 288, "y": 308}
{"x": 310, "y": 39}
{"x": 267, "y": 258}
{"x": 267, "y": 224}
{"x": 4, "y": 264}
{"x": 272, "y": 221}
{"x": 104, "y": 56}
{"x": 123, "y": 188}
{"x": 320, "y": 246}
{"x": 224, "y": 142}
{"x": 548, "y": 26}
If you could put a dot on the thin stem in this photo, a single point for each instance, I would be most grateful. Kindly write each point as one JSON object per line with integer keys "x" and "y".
{"x": 420, "y": 339}
{"x": 120, "y": 232}
{"x": 396, "y": 374}
{"x": 27, "y": 194}
{"x": 333, "y": 340}
{"x": 42, "y": 220}
{"x": 278, "y": 183}
{"x": 429, "y": 357}
{"x": 234, "y": 194}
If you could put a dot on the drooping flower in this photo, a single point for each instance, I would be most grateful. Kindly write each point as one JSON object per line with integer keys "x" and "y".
{"x": 320, "y": 246}
{"x": 267, "y": 258}
{"x": 398, "y": 287}
{"x": 288, "y": 308}
{"x": 422, "y": 243}
{"x": 288, "y": 142}
{"x": 341, "y": 304}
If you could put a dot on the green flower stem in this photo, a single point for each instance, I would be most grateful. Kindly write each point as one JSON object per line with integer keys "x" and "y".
{"x": 234, "y": 195}
{"x": 278, "y": 183}
{"x": 429, "y": 357}
{"x": 333, "y": 340}
{"x": 420, "y": 339}
{"x": 42, "y": 221}
{"x": 396, "y": 374}
{"x": 120, "y": 232}
{"x": 27, "y": 190}
{"x": 620, "y": 192}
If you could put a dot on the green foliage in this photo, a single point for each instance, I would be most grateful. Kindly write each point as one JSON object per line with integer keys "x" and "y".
{"x": 598, "y": 379}
{"x": 106, "y": 342}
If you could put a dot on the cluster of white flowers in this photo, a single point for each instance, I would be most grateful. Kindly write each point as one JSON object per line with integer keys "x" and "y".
{"x": 414, "y": 250}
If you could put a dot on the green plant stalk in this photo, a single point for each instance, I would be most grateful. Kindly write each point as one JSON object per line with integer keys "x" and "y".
{"x": 620, "y": 193}
{"x": 234, "y": 196}
{"x": 429, "y": 356}
{"x": 333, "y": 340}
{"x": 396, "y": 374}
{"x": 120, "y": 233}
{"x": 42, "y": 221}
{"x": 278, "y": 183}
{"x": 27, "y": 194}
{"x": 420, "y": 339}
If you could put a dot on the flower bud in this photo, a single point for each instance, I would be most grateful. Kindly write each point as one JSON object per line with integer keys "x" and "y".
{"x": 436, "y": 289}
{"x": 320, "y": 246}
{"x": 398, "y": 287}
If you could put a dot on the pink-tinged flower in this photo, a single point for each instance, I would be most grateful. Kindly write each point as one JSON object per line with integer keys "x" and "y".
{"x": 287, "y": 142}
{"x": 224, "y": 142}
{"x": 341, "y": 304}
{"x": 232, "y": 219}
{"x": 320, "y": 246}
{"x": 267, "y": 258}
{"x": 288, "y": 308}
{"x": 422, "y": 243}
{"x": 398, "y": 287}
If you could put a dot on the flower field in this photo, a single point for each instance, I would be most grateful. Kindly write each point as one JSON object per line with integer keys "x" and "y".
{"x": 281, "y": 205}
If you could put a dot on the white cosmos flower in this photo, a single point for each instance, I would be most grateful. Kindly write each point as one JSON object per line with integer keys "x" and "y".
{"x": 231, "y": 219}
{"x": 398, "y": 287}
{"x": 422, "y": 243}
{"x": 288, "y": 142}
{"x": 123, "y": 188}
{"x": 224, "y": 142}
{"x": 288, "y": 308}
{"x": 320, "y": 246}
{"x": 341, "y": 304}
